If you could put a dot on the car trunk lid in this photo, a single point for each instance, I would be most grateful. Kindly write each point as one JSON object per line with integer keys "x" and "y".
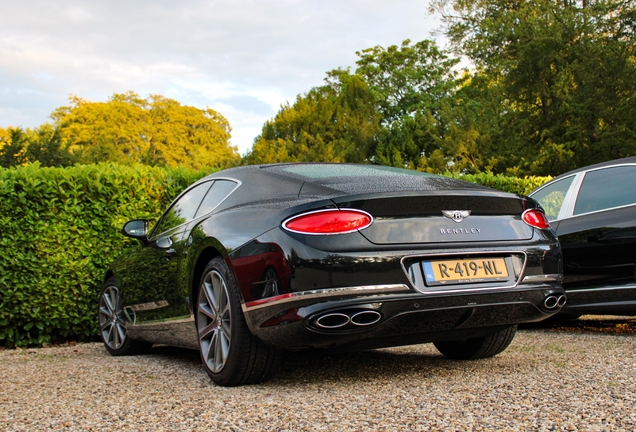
{"x": 445, "y": 216}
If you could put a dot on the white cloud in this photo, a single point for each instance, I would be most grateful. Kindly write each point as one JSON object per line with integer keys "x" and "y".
{"x": 238, "y": 57}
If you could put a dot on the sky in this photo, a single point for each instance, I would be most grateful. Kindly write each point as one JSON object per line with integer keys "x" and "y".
{"x": 241, "y": 58}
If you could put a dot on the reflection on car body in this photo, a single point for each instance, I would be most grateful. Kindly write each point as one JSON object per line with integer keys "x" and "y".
{"x": 593, "y": 211}
{"x": 252, "y": 261}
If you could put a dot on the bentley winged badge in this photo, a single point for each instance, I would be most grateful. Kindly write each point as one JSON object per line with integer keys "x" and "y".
{"x": 456, "y": 215}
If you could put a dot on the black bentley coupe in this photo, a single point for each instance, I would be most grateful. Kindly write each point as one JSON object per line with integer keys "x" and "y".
{"x": 593, "y": 211}
{"x": 251, "y": 261}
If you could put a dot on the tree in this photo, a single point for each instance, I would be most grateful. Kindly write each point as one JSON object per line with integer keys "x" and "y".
{"x": 564, "y": 76}
{"x": 43, "y": 145}
{"x": 13, "y": 145}
{"x": 389, "y": 111}
{"x": 156, "y": 131}
{"x": 412, "y": 84}
{"x": 47, "y": 147}
{"x": 335, "y": 122}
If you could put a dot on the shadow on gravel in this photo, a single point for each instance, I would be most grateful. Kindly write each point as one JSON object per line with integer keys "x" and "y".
{"x": 323, "y": 366}
{"x": 589, "y": 323}
{"x": 316, "y": 366}
{"x": 176, "y": 354}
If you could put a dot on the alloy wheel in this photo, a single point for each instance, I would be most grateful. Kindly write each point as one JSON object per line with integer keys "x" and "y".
{"x": 214, "y": 321}
{"x": 111, "y": 318}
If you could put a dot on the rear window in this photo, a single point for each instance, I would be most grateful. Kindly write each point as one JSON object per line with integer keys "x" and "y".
{"x": 326, "y": 171}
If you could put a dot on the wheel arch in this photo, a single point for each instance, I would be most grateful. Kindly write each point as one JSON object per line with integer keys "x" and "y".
{"x": 109, "y": 274}
{"x": 202, "y": 261}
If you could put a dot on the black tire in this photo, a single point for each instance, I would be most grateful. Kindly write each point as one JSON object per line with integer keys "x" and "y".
{"x": 476, "y": 348}
{"x": 231, "y": 354}
{"x": 112, "y": 323}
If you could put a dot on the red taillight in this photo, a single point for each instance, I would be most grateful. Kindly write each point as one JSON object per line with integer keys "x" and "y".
{"x": 329, "y": 222}
{"x": 535, "y": 218}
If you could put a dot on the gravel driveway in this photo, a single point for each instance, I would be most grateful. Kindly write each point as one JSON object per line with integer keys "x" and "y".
{"x": 549, "y": 379}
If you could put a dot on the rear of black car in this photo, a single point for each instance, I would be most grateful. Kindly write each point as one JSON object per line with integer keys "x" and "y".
{"x": 427, "y": 259}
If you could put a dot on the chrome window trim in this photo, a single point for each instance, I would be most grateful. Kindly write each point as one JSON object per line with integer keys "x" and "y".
{"x": 599, "y": 211}
{"x": 567, "y": 209}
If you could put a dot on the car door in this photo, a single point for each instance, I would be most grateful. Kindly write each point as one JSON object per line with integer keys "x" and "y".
{"x": 149, "y": 276}
{"x": 598, "y": 234}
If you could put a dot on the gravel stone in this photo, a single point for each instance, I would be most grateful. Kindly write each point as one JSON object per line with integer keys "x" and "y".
{"x": 547, "y": 380}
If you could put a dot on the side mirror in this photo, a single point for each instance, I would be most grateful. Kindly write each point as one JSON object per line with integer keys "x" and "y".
{"x": 137, "y": 228}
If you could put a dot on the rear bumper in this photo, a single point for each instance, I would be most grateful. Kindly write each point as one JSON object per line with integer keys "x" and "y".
{"x": 404, "y": 315}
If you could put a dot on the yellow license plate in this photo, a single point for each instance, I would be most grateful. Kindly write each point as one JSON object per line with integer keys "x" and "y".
{"x": 465, "y": 270}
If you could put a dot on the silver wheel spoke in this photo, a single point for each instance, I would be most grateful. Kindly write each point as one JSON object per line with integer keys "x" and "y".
{"x": 109, "y": 302}
{"x": 205, "y": 309}
{"x": 107, "y": 332}
{"x": 218, "y": 352}
{"x": 105, "y": 311}
{"x": 225, "y": 313}
{"x": 204, "y": 346}
{"x": 115, "y": 334}
{"x": 205, "y": 333}
{"x": 225, "y": 328}
{"x": 211, "y": 358}
{"x": 208, "y": 289}
{"x": 121, "y": 332}
{"x": 217, "y": 287}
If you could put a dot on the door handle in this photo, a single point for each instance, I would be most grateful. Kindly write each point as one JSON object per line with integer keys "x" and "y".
{"x": 170, "y": 253}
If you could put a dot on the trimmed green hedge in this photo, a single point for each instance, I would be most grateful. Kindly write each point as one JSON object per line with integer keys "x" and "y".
{"x": 60, "y": 230}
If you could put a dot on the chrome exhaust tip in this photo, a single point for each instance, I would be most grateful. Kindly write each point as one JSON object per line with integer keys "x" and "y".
{"x": 561, "y": 301}
{"x": 366, "y": 318}
{"x": 332, "y": 320}
{"x": 550, "y": 302}
{"x": 554, "y": 301}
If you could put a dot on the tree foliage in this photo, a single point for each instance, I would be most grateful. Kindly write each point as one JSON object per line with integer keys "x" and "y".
{"x": 155, "y": 131}
{"x": 564, "y": 71}
{"x": 336, "y": 122}
{"x": 389, "y": 111}
{"x": 552, "y": 89}
{"x": 43, "y": 145}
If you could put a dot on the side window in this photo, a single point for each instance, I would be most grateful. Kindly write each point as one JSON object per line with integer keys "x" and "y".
{"x": 217, "y": 193}
{"x": 607, "y": 188}
{"x": 183, "y": 210}
{"x": 551, "y": 197}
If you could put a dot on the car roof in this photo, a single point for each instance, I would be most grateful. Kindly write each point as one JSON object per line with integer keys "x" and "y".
{"x": 340, "y": 179}
{"x": 628, "y": 160}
